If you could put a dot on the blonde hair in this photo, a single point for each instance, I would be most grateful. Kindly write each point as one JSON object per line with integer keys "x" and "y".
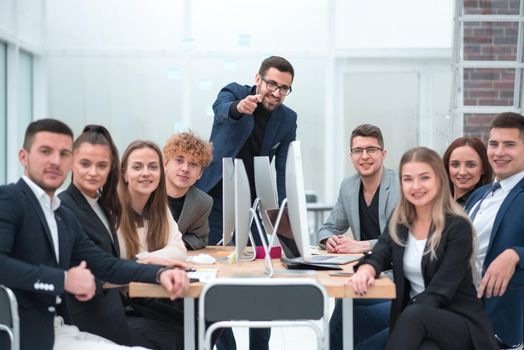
{"x": 189, "y": 143}
{"x": 155, "y": 211}
{"x": 443, "y": 203}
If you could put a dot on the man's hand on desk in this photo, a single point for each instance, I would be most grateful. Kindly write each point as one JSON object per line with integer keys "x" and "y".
{"x": 346, "y": 245}
{"x": 175, "y": 281}
{"x": 164, "y": 262}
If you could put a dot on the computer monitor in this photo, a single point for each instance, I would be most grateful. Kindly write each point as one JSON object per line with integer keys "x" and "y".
{"x": 265, "y": 187}
{"x": 284, "y": 233}
{"x": 296, "y": 199}
{"x": 228, "y": 200}
{"x": 242, "y": 208}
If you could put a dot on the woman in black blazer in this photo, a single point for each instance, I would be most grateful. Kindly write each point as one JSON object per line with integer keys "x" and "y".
{"x": 429, "y": 245}
{"x": 93, "y": 199}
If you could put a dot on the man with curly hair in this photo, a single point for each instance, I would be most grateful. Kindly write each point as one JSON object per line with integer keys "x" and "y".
{"x": 185, "y": 157}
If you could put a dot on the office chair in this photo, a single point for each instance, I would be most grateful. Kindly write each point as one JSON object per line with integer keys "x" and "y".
{"x": 9, "y": 322}
{"x": 263, "y": 303}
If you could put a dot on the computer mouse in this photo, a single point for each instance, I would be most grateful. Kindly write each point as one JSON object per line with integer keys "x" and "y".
{"x": 201, "y": 259}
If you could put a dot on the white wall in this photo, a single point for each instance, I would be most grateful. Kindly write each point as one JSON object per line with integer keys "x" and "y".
{"x": 400, "y": 24}
{"x": 147, "y": 68}
{"x": 22, "y": 36}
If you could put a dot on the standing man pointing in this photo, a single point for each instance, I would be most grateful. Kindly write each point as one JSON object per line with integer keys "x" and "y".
{"x": 250, "y": 121}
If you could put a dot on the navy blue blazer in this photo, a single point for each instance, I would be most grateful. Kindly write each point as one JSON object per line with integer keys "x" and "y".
{"x": 29, "y": 267}
{"x": 506, "y": 312}
{"x": 229, "y": 135}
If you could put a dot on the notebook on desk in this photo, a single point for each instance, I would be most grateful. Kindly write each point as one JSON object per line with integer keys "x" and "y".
{"x": 290, "y": 251}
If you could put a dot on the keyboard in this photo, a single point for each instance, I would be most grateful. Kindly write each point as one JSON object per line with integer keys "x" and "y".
{"x": 334, "y": 259}
{"x": 202, "y": 275}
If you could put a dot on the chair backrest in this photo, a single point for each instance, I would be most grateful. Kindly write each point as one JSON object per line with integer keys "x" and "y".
{"x": 262, "y": 301}
{"x": 9, "y": 322}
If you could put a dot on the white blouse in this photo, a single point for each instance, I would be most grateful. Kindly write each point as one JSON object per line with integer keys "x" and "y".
{"x": 174, "y": 249}
{"x": 413, "y": 264}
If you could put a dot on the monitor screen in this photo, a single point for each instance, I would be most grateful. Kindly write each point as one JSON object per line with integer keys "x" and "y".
{"x": 228, "y": 200}
{"x": 296, "y": 199}
{"x": 242, "y": 208}
{"x": 284, "y": 233}
{"x": 266, "y": 189}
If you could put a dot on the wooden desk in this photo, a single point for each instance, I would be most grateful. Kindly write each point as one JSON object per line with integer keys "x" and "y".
{"x": 382, "y": 289}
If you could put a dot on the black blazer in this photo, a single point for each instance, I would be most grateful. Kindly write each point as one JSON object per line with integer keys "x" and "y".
{"x": 448, "y": 278}
{"x": 29, "y": 267}
{"x": 104, "y": 314}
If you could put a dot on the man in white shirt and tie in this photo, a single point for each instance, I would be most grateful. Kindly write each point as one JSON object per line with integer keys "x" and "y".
{"x": 498, "y": 216}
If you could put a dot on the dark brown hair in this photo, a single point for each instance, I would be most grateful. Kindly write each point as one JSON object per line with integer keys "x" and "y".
{"x": 280, "y": 63}
{"x": 367, "y": 130}
{"x": 509, "y": 120}
{"x": 480, "y": 148}
{"x": 99, "y": 135}
{"x": 41, "y": 125}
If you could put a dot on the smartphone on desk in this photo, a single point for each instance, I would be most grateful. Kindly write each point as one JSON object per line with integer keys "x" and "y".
{"x": 341, "y": 273}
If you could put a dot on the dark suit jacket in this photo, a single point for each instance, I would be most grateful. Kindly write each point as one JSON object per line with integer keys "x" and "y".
{"x": 506, "y": 312}
{"x": 448, "y": 279}
{"x": 104, "y": 314}
{"x": 193, "y": 221}
{"x": 29, "y": 267}
{"x": 229, "y": 135}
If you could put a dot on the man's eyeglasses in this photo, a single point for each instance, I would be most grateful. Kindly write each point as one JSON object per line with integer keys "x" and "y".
{"x": 358, "y": 151}
{"x": 273, "y": 86}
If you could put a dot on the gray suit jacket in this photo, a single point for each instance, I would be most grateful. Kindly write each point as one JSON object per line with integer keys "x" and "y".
{"x": 193, "y": 221}
{"x": 345, "y": 213}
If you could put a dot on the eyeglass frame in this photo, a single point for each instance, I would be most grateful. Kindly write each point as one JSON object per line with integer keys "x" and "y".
{"x": 277, "y": 87}
{"x": 360, "y": 150}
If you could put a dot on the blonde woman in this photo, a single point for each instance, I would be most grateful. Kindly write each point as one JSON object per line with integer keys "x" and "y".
{"x": 429, "y": 244}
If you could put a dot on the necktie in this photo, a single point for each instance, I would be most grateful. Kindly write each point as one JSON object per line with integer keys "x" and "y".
{"x": 493, "y": 189}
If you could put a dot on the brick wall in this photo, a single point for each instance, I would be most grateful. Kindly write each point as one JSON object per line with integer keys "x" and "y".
{"x": 488, "y": 41}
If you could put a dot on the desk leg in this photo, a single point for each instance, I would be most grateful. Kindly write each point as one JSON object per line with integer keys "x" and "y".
{"x": 347, "y": 324}
{"x": 189, "y": 323}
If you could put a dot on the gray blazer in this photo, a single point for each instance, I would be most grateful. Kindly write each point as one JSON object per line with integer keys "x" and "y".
{"x": 345, "y": 213}
{"x": 193, "y": 223}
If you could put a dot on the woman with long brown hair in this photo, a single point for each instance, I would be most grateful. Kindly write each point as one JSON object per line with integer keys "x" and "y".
{"x": 147, "y": 230}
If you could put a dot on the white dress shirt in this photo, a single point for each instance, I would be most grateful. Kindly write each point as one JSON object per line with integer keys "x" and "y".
{"x": 93, "y": 202}
{"x": 486, "y": 214}
{"x": 48, "y": 205}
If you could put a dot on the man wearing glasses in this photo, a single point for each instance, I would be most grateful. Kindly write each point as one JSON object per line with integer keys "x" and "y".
{"x": 365, "y": 202}
{"x": 250, "y": 121}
